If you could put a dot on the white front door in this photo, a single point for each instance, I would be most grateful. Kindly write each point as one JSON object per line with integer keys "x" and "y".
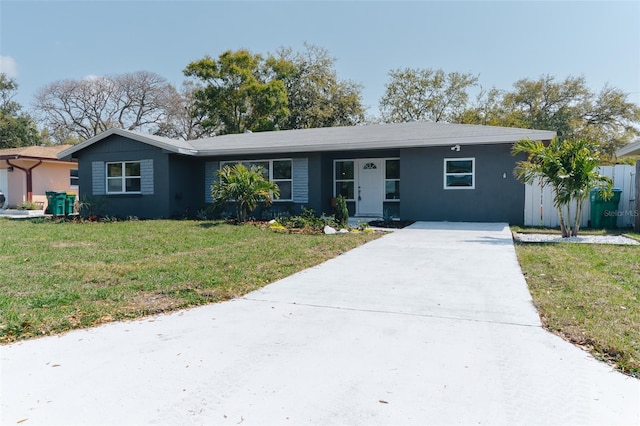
{"x": 370, "y": 187}
{"x": 4, "y": 185}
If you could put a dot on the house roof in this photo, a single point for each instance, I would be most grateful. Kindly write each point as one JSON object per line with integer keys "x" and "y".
{"x": 172, "y": 145}
{"x": 34, "y": 152}
{"x": 632, "y": 149}
{"x": 375, "y": 136}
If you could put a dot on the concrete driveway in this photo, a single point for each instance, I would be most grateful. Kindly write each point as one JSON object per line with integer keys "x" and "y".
{"x": 432, "y": 324}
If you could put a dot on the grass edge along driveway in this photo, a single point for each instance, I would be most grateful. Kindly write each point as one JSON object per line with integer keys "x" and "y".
{"x": 590, "y": 295}
{"x": 62, "y": 276}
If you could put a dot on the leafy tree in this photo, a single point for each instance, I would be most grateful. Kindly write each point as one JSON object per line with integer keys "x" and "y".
{"x": 317, "y": 97}
{"x": 570, "y": 167}
{"x": 425, "y": 94}
{"x": 547, "y": 104}
{"x": 246, "y": 187}
{"x": 240, "y": 92}
{"x": 82, "y": 109}
{"x": 607, "y": 119}
{"x": 610, "y": 119}
{"x": 16, "y": 129}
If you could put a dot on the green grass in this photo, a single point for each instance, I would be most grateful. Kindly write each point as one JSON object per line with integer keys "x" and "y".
{"x": 61, "y": 276}
{"x": 589, "y": 294}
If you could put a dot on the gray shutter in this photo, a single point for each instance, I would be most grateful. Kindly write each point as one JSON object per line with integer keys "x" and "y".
{"x": 98, "y": 178}
{"x": 146, "y": 177}
{"x": 210, "y": 170}
{"x": 300, "y": 177}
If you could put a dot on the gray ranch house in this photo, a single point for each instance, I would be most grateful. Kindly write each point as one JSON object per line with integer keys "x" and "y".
{"x": 410, "y": 171}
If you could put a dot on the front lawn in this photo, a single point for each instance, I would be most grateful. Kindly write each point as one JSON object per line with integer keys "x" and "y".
{"x": 589, "y": 294}
{"x": 60, "y": 276}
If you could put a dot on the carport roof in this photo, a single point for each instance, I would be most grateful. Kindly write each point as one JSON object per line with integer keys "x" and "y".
{"x": 364, "y": 137}
{"x": 34, "y": 152}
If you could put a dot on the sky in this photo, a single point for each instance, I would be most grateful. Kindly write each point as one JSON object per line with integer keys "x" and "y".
{"x": 500, "y": 41}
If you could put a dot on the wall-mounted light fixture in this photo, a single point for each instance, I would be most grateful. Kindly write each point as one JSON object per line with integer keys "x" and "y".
{"x": 455, "y": 148}
{"x": 10, "y": 168}
{"x": 504, "y": 175}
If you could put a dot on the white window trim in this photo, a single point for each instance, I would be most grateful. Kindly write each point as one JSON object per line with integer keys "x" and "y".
{"x": 77, "y": 178}
{"x": 271, "y": 178}
{"x": 473, "y": 173}
{"x": 385, "y": 199}
{"x": 335, "y": 181}
{"x": 122, "y": 178}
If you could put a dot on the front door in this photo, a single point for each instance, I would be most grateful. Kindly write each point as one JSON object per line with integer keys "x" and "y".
{"x": 370, "y": 187}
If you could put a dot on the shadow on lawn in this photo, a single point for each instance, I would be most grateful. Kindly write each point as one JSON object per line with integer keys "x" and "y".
{"x": 207, "y": 225}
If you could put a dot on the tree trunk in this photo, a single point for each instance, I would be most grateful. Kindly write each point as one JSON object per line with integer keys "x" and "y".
{"x": 576, "y": 222}
{"x": 563, "y": 225}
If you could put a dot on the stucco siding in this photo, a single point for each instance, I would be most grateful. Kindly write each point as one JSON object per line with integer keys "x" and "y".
{"x": 48, "y": 176}
{"x": 497, "y": 197}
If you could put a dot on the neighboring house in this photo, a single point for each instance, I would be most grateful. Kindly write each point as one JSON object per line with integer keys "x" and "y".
{"x": 630, "y": 150}
{"x": 411, "y": 171}
{"x": 27, "y": 173}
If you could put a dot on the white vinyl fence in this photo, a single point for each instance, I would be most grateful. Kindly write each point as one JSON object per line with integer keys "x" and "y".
{"x": 540, "y": 211}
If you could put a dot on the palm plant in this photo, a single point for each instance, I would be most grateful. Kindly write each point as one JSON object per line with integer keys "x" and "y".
{"x": 570, "y": 167}
{"x": 246, "y": 187}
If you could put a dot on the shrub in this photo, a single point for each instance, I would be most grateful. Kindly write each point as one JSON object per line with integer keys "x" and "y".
{"x": 307, "y": 220}
{"x": 342, "y": 212}
{"x": 29, "y": 205}
{"x": 245, "y": 187}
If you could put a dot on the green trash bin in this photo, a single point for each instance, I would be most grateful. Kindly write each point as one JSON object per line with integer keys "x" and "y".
{"x": 69, "y": 203}
{"x": 55, "y": 202}
{"x": 604, "y": 213}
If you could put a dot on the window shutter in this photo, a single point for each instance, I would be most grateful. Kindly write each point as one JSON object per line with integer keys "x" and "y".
{"x": 300, "y": 177}
{"x": 146, "y": 177}
{"x": 210, "y": 169}
{"x": 98, "y": 178}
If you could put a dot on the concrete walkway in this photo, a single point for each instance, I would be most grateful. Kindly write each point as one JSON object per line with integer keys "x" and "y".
{"x": 432, "y": 324}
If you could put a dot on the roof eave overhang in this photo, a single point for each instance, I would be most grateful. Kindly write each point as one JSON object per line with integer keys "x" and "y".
{"x": 631, "y": 149}
{"x": 360, "y": 146}
{"x": 135, "y": 136}
{"x": 34, "y": 158}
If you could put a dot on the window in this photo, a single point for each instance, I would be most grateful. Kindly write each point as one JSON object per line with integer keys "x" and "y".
{"x": 344, "y": 179}
{"x": 459, "y": 173}
{"x": 281, "y": 175}
{"x": 392, "y": 180}
{"x": 123, "y": 178}
{"x": 73, "y": 177}
{"x": 276, "y": 171}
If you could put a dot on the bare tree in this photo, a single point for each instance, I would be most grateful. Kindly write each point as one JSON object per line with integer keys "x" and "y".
{"x": 183, "y": 119}
{"x": 85, "y": 108}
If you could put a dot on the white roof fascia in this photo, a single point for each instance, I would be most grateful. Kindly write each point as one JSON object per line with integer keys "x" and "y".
{"x": 169, "y": 145}
{"x": 631, "y": 149}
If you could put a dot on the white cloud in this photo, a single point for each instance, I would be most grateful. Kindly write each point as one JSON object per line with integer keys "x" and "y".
{"x": 8, "y": 66}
